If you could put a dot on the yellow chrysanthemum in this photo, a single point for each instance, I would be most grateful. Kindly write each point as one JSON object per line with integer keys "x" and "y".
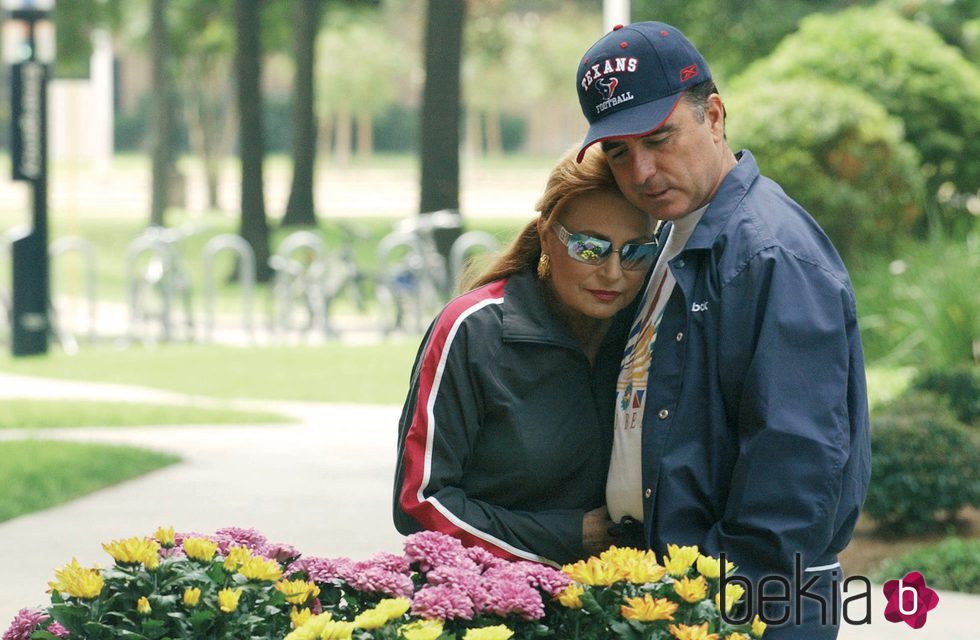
{"x": 394, "y": 607}
{"x": 681, "y": 557}
{"x": 626, "y": 555}
{"x": 166, "y": 536}
{"x": 200, "y": 549}
{"x": 370, "y": 619}
{"x": 692, "y": 589}
{"x": 594, "y": 572}
{"x": 736, "y": 636}
{"x": 299, "y": 617}
{"x": 684, "y": 632}
{"x": 133, "y": 550}
{"x": 337, "y": 630}
{"x": 297, "y": 591}
{"x": 143, "y": 606}
{"x": 648, "y": 609}
{"x": 421, "y": 630}
{"x": 733, "y": 593}
{"x": 311, "y": 629}
{"x": 236, "y": 557}
{"x": 496, "y": 632}
{"x": 261, "y": 569}
{"x": 644, "y": 571}
{"x": 758, "y": 627}
{"x": 228, "y": 599}
{"x": 76, "y": 581}
{"x": 192, "y": 595}
{"x": 571, "y": 597}
{"x": 711, "y": 567}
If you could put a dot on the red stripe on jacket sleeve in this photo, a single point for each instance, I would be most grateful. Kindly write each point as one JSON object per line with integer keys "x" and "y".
{"x": 421, "y": 429}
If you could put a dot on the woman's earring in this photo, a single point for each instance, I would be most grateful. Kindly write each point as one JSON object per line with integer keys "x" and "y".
{"x": 544, "y": 266}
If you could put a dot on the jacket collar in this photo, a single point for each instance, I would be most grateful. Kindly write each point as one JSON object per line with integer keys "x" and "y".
{"x": 526, "y": 315}
{"x": 733, "y": 188}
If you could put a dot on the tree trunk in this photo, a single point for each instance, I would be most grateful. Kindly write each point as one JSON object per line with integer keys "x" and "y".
{"x": 441, "y": 106}
{"x": 365, "y": 137}
{"x": 254, "y": 227}
{"x": 162, "y": 115}
{"x": 300, "y": 210}
{"x": 343, "y": 137}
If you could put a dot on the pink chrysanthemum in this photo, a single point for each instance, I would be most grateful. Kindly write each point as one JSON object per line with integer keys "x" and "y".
{"x": 173, "y": 552}
{"x": 56, "y": 629}
{"x": 321, "y": 570}
{"x": 23, "y": 624}
{"x": 386, "y": 561}
{"x": 471, "y": 582}
{"x": 551, "y": 581}
{"x": 375, "y": 580}
{"x": 278, "y": 551}
{"x": 507, "y": 596}
{"x": 432, "y": 549}
{"x": 237, "y": 536}
{"x": 483, "y": 558}
{"x": 442, "y": 602}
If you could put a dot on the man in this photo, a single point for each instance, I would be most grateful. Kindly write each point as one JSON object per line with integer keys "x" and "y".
{"x": 742, "y": 421}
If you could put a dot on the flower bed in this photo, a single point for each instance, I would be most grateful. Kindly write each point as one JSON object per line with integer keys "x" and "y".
{"x": 236, "y": 584}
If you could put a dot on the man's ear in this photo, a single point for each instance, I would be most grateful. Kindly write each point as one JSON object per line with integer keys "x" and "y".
{"x": 714, "y": 114}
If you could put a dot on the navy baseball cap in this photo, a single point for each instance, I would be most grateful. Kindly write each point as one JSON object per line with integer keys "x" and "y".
{"x": 631, "y": 79}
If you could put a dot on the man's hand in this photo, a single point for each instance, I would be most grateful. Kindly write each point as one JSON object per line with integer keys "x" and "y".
{"x": 595, "y": 531}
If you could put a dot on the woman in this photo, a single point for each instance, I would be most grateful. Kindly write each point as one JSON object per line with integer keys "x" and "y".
{"x": 505, "y": 437}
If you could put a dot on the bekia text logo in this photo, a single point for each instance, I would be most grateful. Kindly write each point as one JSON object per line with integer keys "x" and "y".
{"x": 909, "y": 600}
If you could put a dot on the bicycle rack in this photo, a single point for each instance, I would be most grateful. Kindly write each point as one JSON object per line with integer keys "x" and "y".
{"x": 298, "y": 279}
{"x": 246, "y": 262}
{"x": 83, "y": 247}
{"x": 464, "y": 247}
{"x": 161, "y": 274}
{"x": 401, "y": 282}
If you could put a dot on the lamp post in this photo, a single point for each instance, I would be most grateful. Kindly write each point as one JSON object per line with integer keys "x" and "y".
{"x": 28, "y": 47}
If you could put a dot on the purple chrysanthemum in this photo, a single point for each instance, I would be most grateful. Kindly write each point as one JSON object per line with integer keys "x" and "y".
{"x": 23, "y": 624}
{"x": 56, "y": 629}
{"x": 321, "y": 570}
{"x": 432, "y": 549}
{"x": 442, "y": 602}
{"x": 376, "y": 580}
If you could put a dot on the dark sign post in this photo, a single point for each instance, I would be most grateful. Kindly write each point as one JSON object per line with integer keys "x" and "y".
{"x": 29, "y": 75}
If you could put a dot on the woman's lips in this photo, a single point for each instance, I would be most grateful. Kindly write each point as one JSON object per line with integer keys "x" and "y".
{"x": 604, "y": 296}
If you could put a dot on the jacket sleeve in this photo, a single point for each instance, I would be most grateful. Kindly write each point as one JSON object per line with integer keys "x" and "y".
{"x": 786, "y": 355}
{"x": 439, "y": 425}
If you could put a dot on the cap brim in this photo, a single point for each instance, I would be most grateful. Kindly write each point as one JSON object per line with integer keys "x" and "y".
{"x": 631, "y": 122}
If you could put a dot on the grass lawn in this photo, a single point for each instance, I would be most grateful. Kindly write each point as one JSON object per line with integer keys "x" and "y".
{"x": 37, "y": 474}
{"x": 374, "y": 374}
{"x": 23, "y": 413}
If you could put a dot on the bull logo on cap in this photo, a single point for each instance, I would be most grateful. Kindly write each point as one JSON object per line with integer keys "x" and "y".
{"x": 607, "y": 87}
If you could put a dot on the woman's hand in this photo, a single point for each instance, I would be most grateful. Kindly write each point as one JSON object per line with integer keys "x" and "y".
{"x": 595, "y": 531}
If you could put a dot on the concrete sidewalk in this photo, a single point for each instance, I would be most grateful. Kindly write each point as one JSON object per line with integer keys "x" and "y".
{"x": 323, "y": 485}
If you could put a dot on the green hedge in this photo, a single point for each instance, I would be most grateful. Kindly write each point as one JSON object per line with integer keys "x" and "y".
{"x": 924, "y": 466}
{"x": 953, "y": 565}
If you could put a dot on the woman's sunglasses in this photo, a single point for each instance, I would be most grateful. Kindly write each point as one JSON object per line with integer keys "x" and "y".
{"x": 591, "y": 250}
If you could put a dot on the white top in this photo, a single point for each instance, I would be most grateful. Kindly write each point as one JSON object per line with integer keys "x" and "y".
{"x": 624, "y": 492}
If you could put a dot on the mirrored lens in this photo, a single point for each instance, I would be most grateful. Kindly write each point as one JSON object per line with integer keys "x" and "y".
{"x": 638, "y": 256}
{"x": 588, "y": 249}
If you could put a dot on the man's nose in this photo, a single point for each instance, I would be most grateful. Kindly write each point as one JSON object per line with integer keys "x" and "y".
{"x": 643, "y": 166}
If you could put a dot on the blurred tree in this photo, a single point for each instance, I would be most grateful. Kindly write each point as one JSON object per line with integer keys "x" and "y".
{"x": 440, "y": 120}
{"x": 300, "y": 209}
{"x": 162, "y": 120}
{"x": 837, "y": 152}
{"x": 750, "y": 29}
{"x": 203, "y": 41}
{"x": 248, "y": 71}
{"x": 957, "y": 21}
{"x": 75, "y": 22}
{"x": 916, "y": 76}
